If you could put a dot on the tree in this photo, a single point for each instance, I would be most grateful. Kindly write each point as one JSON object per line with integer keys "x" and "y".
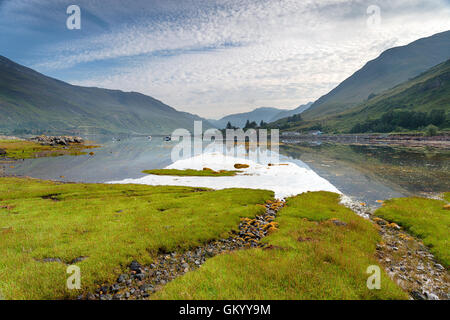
{"x": 431, "y": 131}
{"x": 229, "y": 126}
{"x": 437, "y": 117}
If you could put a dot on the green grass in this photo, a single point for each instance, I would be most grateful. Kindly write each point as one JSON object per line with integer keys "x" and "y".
{"x": 446, "y": 196}
{"x": 20, "y": 149}
{"x": 312, "y": 258}
{"x": 110, "y": 224}
{"x": 426, "y": 219}
{"x": 206, "y": 172}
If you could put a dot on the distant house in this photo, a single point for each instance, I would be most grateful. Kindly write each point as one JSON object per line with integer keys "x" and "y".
{"x": 316, "y": 133}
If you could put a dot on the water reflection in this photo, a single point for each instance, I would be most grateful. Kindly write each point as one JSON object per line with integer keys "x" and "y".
{"x": 366, "y": 173}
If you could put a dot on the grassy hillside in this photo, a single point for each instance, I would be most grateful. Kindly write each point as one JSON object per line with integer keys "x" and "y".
{"x": 391, "y": 68}
{"x": 427, "y": 92}
{"x": 32, "y": 101}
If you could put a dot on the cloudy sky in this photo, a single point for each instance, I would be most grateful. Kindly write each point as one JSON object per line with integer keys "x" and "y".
{"x": 214, "y": 57}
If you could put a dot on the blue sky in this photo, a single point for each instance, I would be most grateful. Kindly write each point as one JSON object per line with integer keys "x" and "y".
{"x": 213, "y": 57}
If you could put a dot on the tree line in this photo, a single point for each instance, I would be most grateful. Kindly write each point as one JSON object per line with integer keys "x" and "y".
{"x": 401, "y": 120}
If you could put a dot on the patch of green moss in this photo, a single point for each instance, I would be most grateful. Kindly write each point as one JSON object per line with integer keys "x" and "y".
{"x": 206, "y": 172}
{"x": 20, "y": 149}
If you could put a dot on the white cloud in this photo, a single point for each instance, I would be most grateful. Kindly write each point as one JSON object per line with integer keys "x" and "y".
{"x": 219, "y": 57}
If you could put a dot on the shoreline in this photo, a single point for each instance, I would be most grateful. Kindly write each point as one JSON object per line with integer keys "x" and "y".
{"x": 442, "y": 142}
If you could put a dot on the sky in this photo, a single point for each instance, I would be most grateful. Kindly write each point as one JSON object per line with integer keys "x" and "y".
{"x": 213, "y": 57}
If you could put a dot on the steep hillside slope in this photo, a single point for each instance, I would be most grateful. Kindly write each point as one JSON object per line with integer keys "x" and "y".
{"x": 391, "y": 68}
{"x": 32, "y": 101}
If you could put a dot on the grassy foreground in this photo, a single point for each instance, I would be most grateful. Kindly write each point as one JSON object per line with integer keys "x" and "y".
{"x": 426, "y": 219}
{"x": 19, "y": 149}
{"x": 109, "y": 225}
{"x": 312, "y": 257}
{"x": 206, "y": 172}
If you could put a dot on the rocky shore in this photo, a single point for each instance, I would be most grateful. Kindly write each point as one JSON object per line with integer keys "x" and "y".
{"x": 140, "y": 281}
{"x": 56, "y": 140}
{"x": 411, "y": 140}
{"x": 407, "y": 260}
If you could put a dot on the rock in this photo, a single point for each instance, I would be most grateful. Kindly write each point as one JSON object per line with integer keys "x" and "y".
{"x": 446, "y": 207}
{"x": 103, "y": 289}
{"x": 90, "y": 296}
{"x": 122, "y": 278}
{"x": 431, "y": 296}
{"x": 146, "y": 288}
{"x": 136, "y": 267}
{"x": 115, "y": 288}
{"x": 139, "y": 276}
{"x": 394, "y": 226}
{"x": 439, "y": 267}
{"x": 105, "y": 297}
{"x": 117, "y": 296}
{"x": 418, "y": 296}
{"x": 339, "y": 223}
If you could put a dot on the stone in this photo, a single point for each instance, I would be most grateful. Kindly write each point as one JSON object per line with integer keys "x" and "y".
{"x": 339, "y": 223}
{"x": 139, "y": 276}
{"x": 115, "y": 288}
{"x": 136, "y": 267}
{"x": 439, "y": 267}
{"x": 418, "y": 296}
{"x": 122, "y": 278}
{"x": 431, "y": 296}
{"x": 90, "y": 296}
{"x": 146, "y": 288}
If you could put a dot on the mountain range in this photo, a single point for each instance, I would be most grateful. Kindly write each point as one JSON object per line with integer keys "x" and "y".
{"x": 391, "y": 68}
{"x": 260, "y": 114}
{"x": 31, "y": 101}
{"x": 427, "y": 92}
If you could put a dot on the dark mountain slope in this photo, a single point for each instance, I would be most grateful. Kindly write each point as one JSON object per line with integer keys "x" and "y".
{"x": 32, "y": 101}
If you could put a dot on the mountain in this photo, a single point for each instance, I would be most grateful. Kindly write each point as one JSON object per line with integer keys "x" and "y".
{"x": 290, "y": 113}
{"x": 264, "y": 114}
{"x": 416, "y": 98}
{"x": 32, "y": 101}
{"x": 392, "y": 67}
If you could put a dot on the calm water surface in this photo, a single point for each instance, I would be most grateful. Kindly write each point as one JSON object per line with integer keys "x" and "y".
{"x": 365, "y": 173}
